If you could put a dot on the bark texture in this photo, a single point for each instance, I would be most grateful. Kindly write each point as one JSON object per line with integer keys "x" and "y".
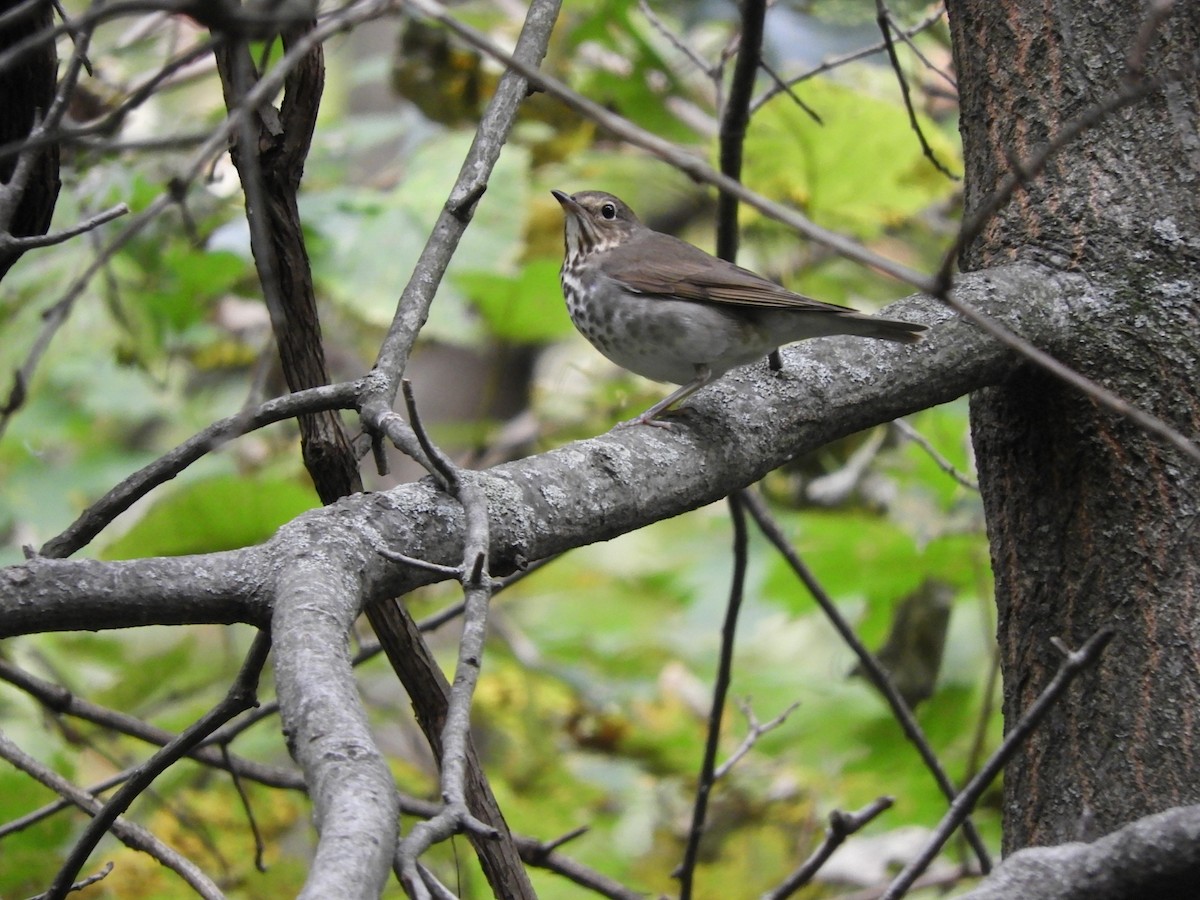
{"x": 1091, "y": 521}
{"x": 26, "y": 92}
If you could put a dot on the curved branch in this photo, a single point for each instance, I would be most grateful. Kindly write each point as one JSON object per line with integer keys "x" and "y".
{"x": 1158, "y": 856}
{"x": 100, "y": 514}
{"x": 354, "y": 798}
{"x": 413, "y": 307}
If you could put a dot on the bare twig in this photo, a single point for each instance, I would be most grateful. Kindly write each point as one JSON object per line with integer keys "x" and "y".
{"x": 251, "y": 820}
{"x": 8, "y": 242}
{"x": 962, "y": 805}
{"x": 477, "y": 592}
{"x": 101, "y": 513}
{"x": 870, "y": 665}
{"x": 837, "y": 61}
{"x": 906, "y": 38}
{"x": 241, "y": 696}
{"x": 704, "y": 783}
{"x": 129, "y": 833}
{"x": 788, "y": 89}
{"x": 884, "y": 19}
{"x": 944, "y": 464}
{"x": 841, "y": 826}
{"x": 712, "y": 71}
{"x": 755, "y": 730}
{"x": 543, "y": 855}
{"x": 104, "y": 872}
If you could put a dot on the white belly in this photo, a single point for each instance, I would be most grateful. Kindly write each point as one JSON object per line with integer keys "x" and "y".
{"x": 666, "y": 340}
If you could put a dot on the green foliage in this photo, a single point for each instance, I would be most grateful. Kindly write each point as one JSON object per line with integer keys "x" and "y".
{"x": 524, "y": 308}
{"x": 626, "y": 69}
{"x": 219, "y": 513}
{"x": 860, "y": 170}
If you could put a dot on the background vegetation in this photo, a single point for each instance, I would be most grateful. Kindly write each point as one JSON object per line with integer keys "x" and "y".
{"x": 592, "y": 707}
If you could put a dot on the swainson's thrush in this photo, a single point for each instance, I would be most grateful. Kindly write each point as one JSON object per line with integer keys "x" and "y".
{"x": 668, "y": 311}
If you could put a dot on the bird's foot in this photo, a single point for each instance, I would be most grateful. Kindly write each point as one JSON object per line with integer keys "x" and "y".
{"x": 655, "y": 418}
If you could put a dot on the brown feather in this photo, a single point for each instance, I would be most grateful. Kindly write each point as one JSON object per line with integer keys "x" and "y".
{"x": 664, "y": 266}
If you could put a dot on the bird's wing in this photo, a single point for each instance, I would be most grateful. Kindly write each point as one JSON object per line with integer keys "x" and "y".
{"x": 664, "y": 266}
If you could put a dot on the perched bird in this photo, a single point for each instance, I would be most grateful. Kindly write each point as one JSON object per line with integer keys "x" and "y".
{"x": 668, "y": 311}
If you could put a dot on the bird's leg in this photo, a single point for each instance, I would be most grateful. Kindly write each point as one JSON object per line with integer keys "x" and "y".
{"x": 650, "y": 416}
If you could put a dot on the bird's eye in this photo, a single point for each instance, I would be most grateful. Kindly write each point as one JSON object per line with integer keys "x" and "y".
{"x": 608, "y": 211}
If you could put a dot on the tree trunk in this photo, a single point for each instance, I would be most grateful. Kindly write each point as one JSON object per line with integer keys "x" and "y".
{"x": 26, "y": 92}
{"x": 1092, "y": 522}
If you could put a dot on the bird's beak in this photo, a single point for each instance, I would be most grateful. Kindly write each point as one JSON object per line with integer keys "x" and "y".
{"x": 566, "y": 202}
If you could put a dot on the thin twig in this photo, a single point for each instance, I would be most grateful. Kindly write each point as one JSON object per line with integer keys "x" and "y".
{"x": 104, "y": 872}
{"x": 907, "y": 39}
{"x": 241, "y": 696}
{"x": 755, "y": 731}
{"x": 251, "y": 819}
{"x": 455, "y": 736}
{"x": 786, "y": 88}
{"x": 129, "y": 833}
{"x": 543, "y": 856}
{"x": 8, "y": 242}
{"x": 101, "y": 513}
{"x": 704, "y": 782}
{"x": 962, "y": 805}
{"x": 713, "y": 72}
{"x": 841, "y": 826}
{"x": 933, "y": 453}
{"x": 870, "y": 665}
{"x": 884, "y": 20}
{"x": 838, "y": 61}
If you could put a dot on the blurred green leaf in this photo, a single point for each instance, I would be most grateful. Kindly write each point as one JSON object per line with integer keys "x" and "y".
{"x": 861, "y": 171}
{"x": 624, "y": 68}
{"x": 369, "y": 241}
{"x": 219, "y": 513}
{"x": 525, "y": 308}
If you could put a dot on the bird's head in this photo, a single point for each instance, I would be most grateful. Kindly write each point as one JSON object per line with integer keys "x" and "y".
{"x": 595, "y": 221}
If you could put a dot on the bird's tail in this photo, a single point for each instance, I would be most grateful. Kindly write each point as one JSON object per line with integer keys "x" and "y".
{"x": 884, "y": 329}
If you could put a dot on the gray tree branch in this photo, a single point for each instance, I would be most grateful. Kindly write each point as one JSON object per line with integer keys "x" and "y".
{"x": 1157, "y": 856}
